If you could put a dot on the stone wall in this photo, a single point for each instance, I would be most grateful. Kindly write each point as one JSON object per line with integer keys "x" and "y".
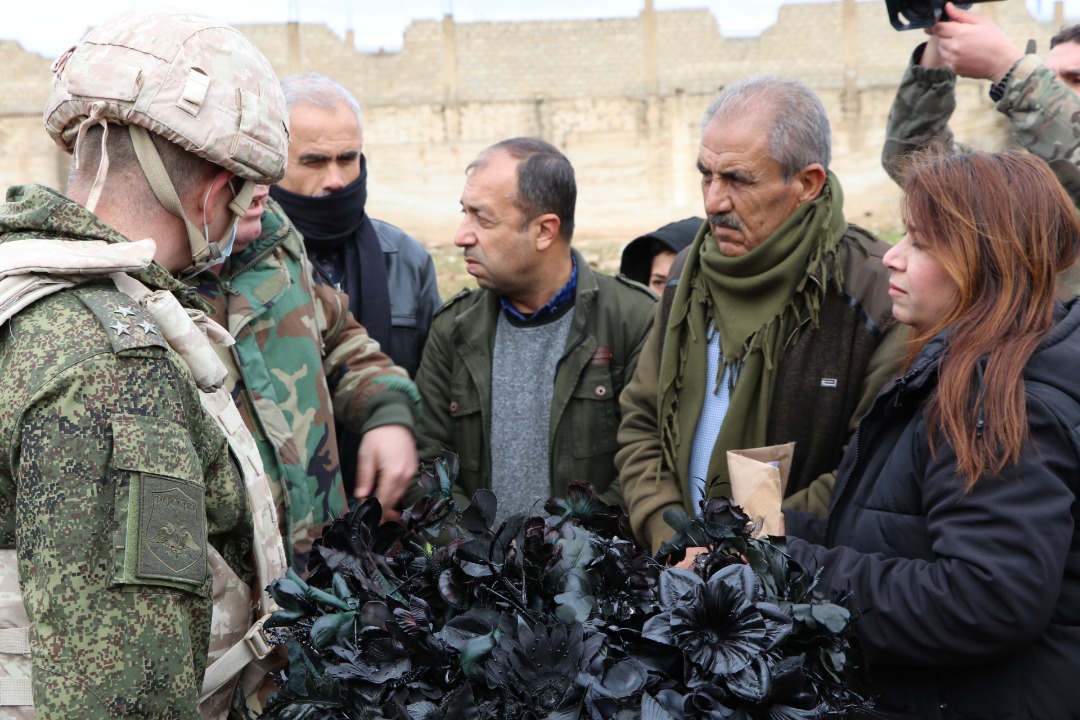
{"x": 622, "y": 97}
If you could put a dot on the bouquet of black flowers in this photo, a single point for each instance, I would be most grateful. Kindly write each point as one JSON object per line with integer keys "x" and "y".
{"x": 555, "y": 615}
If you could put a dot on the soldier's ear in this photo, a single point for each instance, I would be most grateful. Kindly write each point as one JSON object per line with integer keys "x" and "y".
{"x": 209, "y": 191}
{"x": 809, "y": 182}
{"x": 547, "y": 229}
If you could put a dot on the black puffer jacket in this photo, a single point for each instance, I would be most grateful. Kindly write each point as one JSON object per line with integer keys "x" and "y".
{"x": 970, "y": 601}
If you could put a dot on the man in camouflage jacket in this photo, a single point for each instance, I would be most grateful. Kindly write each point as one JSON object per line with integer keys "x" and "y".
{"x": 1038, "y": 97}
{"x": 92, "y": 420}
{"x": 301, "y": 359}
{"x": 114, "y": 480}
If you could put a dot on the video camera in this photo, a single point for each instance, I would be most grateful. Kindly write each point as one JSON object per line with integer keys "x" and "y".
{"x": 920, "y": 13}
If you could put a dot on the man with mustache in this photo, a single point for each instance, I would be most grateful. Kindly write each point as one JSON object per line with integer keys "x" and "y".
{"x": 301, "y": 367}
{"x": 774, "y": 326}
{"x": 521, "y": 378}
{"x": 388, "y": 275}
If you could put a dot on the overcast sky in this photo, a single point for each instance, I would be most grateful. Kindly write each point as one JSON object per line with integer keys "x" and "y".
{"x": 50, "y": 26}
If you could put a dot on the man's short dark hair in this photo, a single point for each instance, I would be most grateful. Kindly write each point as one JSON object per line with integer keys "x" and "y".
{"x": 545, "y": 180}
{"x": 185, "y": 169}
{"x": 1068, "y": 34}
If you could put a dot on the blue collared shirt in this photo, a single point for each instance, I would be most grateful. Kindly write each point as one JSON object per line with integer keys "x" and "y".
{"x": 713, "y": 412}
{"x": 561, "y": 298}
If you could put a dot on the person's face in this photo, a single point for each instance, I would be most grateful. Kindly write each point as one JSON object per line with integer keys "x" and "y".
{"x": 661, "y": 263}
{"x": 746, "y": 197}
{"x": 324, "y": 149}
{"x": 250, "y": 226}
{"x": 921, "y": 291}
{"x": 1064, "y": 61}
{"x": 497, "y": 250}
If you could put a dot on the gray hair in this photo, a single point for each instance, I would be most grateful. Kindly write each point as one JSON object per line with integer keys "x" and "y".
{"x": 320, "y": 90}
{"x": 800, "y": 134}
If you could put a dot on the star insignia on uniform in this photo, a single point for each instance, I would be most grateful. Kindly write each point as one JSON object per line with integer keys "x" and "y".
{"x": 124, "y": 311}
{"x": 121, "y": 328}
{"x": 148, "y": 327}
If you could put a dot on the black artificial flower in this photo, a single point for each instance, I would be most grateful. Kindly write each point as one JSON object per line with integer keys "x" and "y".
{"x": 555, "y": 617}
{"x": 357, "y": 546}
{"x": 538, "y": 667}
{"x": 720, "y": 626}
{"x": 628, "y": 580}
{"x": 723, "y": 519}
{"x": 703, "y": 702}
{"x": 583, "y": 504}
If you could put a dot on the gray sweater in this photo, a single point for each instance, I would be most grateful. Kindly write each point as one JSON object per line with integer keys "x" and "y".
{"x": 522, "y": 387}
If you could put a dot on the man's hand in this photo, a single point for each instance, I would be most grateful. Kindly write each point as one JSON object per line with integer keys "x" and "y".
{"x": 691, "y": 554}
{"x": 386, "y": 463}
{"x": 972, "y": 46}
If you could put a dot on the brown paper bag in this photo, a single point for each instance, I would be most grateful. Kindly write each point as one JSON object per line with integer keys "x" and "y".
{"x": 758, "y": 480}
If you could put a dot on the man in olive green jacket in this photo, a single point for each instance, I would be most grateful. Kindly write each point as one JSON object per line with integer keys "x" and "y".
{"x": 777, "y": 323}
{"x": 522, "y": 377}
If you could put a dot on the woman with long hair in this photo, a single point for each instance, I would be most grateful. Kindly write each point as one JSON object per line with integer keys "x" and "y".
{"x": 955, "y": 523}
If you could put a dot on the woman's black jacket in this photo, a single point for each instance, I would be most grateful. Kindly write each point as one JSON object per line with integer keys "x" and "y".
{"x": 970, "y": 601}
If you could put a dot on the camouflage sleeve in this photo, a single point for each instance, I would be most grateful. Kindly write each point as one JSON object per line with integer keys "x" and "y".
{"x": 920, "y": 114}
{"x": 367, "y": 389}
{"x": 1044, "y": 115}
{"x": 121, "y": 478}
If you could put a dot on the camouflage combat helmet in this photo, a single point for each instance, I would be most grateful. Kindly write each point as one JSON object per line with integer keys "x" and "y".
{"x": 194, "y": 81}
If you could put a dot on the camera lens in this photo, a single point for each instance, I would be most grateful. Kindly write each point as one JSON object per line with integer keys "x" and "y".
{"x": 922, "y": 13}
{"x": 927, "y": 12}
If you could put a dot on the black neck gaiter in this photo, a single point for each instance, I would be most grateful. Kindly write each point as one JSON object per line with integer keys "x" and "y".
{"x": 337, "y": 225}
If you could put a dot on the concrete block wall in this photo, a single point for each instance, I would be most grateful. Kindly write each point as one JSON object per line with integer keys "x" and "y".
{"x": 623, "y": 98}
{"x": 27, "y": 154}
{"x": 25, "y": 81}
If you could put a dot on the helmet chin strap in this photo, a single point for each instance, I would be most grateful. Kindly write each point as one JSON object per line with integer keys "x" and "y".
{"x": 203, "y": 252}
{"x": 95, "y": 118}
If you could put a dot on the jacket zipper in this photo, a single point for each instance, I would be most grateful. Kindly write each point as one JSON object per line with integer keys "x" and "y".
{"x": 896, "y": 392}
{"x": 256, "y": 260}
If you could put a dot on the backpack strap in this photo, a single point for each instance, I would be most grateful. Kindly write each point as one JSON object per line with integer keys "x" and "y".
{"x": 190, "y": 335}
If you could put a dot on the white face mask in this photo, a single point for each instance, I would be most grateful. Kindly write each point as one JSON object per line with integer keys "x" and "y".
{"x": 226, "y": 250}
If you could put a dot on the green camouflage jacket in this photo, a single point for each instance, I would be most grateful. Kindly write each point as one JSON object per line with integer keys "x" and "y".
{"x": 1041, "y": 112}
{"x": 112, "y": 482}
{"x": 612, "y": 317}
{"x": 299, "y": 362}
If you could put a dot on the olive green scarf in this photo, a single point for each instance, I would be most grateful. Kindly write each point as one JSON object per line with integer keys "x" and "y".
{"x": 764, "y": 298}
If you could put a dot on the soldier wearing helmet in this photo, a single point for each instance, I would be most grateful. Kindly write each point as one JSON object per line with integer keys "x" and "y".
{"x": 120, "y": 496}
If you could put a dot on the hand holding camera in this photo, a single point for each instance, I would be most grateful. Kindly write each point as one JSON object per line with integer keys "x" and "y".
{"x": 971, "y": 45}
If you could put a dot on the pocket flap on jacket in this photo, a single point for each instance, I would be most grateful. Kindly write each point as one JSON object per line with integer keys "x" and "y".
{"x": 596, "y": 384}
{"x": 152, "y": 445}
